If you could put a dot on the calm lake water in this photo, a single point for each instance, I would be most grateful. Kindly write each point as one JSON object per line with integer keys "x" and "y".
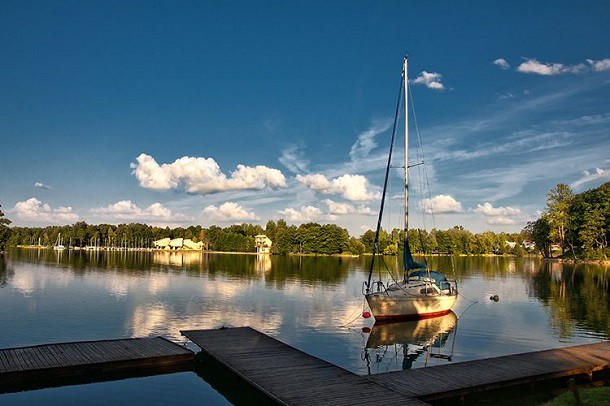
{"x": 313, "y": 304}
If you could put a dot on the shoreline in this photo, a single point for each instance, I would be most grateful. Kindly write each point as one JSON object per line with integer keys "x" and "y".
{"x": 342, "y": 255}
{"x": 576, "y": 261}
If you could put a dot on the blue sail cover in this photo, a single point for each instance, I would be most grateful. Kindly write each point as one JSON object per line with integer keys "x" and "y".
{"x": 408, "y": 260}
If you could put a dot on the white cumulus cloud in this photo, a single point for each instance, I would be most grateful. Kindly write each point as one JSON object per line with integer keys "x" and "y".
{"x": 339, "y": 208}
{"x": 441, "y": 204}
{"x": 501, "y": 62}
{"x": 305, "y": 213}
{"x": 488, "y": 210}
{"x": 531, "y": 65}
{"x": 351, "y": 187}
{"x": 500, "y": 221}
{"x": 126, "y": 210}
{"x": 431, "y": 80}
{"x": 229, "y": 211}
{"x": 590, "y": 176}
{"x": 36, "y": 211}
{"x": 203, "y": 175}
{"x": 601, "y": 65}
{"x": 41, "y": 185}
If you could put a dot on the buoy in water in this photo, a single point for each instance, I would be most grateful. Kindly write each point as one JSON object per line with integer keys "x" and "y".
{"x": 366, "y": 330}
{"x": 366, "y": 315}
{"x": 495, "y": 298}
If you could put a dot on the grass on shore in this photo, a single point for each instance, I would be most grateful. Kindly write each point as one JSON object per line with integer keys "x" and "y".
{"x": 589, "y": 396}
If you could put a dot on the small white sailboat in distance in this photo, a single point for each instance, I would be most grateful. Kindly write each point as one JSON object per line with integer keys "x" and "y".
{"x": 58, "y": 246}
{"x": 422, "y": 292}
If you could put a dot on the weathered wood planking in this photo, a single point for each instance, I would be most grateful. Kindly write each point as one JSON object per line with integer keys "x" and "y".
{"x": 287, "y": 375}
{"x": 24, "y": 365}
{"x": 291, "y": 377}
{"x": 494, "y": 373}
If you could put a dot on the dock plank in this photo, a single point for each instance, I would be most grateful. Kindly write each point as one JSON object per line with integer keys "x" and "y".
{"x": 287, "y": 375}
{"x": 493, "y": 373}
{"x": 30, "y": 364}
{"x": 290, "y": 376}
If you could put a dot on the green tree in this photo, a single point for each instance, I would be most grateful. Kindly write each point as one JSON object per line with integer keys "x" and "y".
{"x": 5, "y": 231}
{"x": 355, "y": 247}
{"x": 270, "y": 230}
{"x": 557, "y": 206}
{"x": 593, "y": 234}
{"x": 367, "y": 239}
{"x": 540, "y": 232}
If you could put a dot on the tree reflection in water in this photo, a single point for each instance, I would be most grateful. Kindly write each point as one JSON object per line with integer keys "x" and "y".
{"x": 578, "y": 297}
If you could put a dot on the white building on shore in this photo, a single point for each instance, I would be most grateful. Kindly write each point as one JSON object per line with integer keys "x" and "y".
{"x": 178, "y": 244}
{"x": 262, "y": 244}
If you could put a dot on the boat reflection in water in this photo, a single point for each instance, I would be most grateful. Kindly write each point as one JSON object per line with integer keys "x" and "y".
{"x": 392, "y": 346}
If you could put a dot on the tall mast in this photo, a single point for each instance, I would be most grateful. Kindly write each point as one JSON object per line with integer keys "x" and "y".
{"x": 406, "y": 93}
{"x": 385, "y": 185}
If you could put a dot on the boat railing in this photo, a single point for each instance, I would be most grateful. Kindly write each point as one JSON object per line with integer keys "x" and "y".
{"x": 449, "y": 285}
{"x": 376, "y": 287}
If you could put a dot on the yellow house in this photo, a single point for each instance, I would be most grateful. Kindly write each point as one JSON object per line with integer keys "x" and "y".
{"x": 262, "y": 244}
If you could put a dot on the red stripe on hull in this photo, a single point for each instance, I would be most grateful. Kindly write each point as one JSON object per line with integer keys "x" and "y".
{"x": 410, "y": 316}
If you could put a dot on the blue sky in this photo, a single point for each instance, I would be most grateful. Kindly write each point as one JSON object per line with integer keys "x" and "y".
{"x": 223, "y": 112}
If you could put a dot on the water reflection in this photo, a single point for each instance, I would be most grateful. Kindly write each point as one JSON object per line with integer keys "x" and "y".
{"x": 6, "y": 272}
{"x": 180, "y": 259}
{"x": 578, "y": 297}
{"x": 301, "y": 300}
{"x": 263, "y": 262}
{"x": 404, "y": 343}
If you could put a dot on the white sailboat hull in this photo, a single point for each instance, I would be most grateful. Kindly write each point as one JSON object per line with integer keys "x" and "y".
{"x": 402, "y": 305}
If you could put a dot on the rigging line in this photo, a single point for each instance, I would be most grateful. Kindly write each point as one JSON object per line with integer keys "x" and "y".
{"x": 465, "y": 298}
{"x": 468, "y": 308}
{"x": 385, "y": 183}
{"x": 421, "y": 178}
{"x": 346, "y": 325}
{"x": 422, "y": 151}
{"x": 394, "y": 279}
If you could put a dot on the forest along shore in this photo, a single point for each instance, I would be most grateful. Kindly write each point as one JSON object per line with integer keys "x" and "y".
{"x": 572, "y": 226}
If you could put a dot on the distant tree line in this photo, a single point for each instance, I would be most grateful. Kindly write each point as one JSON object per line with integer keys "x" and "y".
{"x": 308, "y": 238}
{"x": 578, "y": 225}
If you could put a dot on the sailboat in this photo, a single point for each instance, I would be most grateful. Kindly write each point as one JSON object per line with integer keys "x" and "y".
{"x": 422, "y": 292}
{"x": 58, "y": 246}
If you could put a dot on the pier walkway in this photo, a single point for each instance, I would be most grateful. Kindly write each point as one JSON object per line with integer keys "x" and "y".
{"x": 31, "y": 365}
{"x": 292, "y": 377}
{"x": 499, "y": 372}
{"x": 287, "y": 375}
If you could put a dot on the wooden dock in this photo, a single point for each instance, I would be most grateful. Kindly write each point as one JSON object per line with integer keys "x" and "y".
{"x": 499, "y": 372}
{"x": 33, "y": 365}
{"x": 291, "y": 377}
